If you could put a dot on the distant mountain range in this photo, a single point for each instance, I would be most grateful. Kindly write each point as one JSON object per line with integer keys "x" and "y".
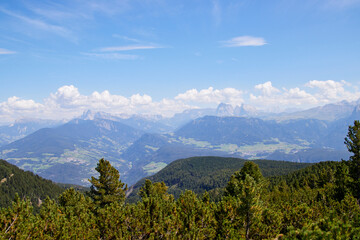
{"x": 69, "y": 153}
{"x": 22, "y": 128}
{"x": 139, "y": 146}
{"x": 329, "y": 112}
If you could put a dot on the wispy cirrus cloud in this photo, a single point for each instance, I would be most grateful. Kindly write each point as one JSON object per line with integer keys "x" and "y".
{"x": 244, "y": 41}
{"x": 42, "y": 25}
{"x": 5, "y": 51}
{"x": 216, "y": 12}
{"x": 126, "y": 38}
{"x": 128, "y": 48}
{"x": 116, "y": 56}
{"x": 112, "y": 52}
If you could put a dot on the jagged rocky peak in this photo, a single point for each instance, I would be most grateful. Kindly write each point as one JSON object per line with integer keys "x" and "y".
{"x": 225, "y": 109}
{"x": 91, "y": 115}
{"x": 27, "y": 120}
{"x": 244, "y": 110}
{"x": 88, "y": 115}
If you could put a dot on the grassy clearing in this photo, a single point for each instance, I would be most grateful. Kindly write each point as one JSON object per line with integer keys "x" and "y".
{"x": 154, "y": 167}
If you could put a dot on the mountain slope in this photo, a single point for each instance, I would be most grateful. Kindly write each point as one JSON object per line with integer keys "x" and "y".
{"x": 69, "y": 153}
{"x": 201, "y": 174}
{"x": 249, "y": 131}
{"x": 14, "y": 180}
{"x": 328, "y": 112}
{"x": 149, "y": 124}
{"x": 22, "y": 128}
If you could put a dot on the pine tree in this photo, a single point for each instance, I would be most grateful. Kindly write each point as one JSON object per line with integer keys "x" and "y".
{"x": 352, "y": 142}
{"x": 108, "y": 188}
{"x": 246, "y": 186}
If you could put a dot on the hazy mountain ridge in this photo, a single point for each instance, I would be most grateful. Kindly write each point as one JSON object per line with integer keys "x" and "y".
{"x": 23, "y": 127}
{"x": 78, "y": 144}
{"x": 146, "y": 123}
{"x": 68, "y": 153}
{"x": 329, "y": 112}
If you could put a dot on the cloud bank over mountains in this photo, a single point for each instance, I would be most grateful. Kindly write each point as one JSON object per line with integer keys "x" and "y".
{"x": 67, "y": 102}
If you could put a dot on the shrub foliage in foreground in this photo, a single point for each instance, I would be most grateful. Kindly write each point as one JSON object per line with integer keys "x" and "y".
{"x": 323, "y": 205}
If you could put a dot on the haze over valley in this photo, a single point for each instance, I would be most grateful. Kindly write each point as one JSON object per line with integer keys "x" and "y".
{"x": 179, "y": 119}
{"x": 141, "y": 145}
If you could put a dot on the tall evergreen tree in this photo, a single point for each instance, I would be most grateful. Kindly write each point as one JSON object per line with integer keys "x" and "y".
{"x": 234, "y": 187}
{"x": 352, "y": 142}
{"x": 108, "y": 188}
{"x": 246, "y": 185}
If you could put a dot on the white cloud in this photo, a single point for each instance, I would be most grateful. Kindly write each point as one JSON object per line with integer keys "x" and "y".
{"x": 16, "y": 108}
{"x": 127, "y": 48}
{"x": 5, "y": 51}
{"x": 66, "y": 96}
{"x": 58, "y": 30}
{"x": 211, "y": 95}
{"x": 322, "y": 92}
{"x": 244, "y": 41}
{"x": 67, "y": 102}
{"x": 267, "y": 89}
{"x": 106, "y": 99}
{"x": 15, "y": 103}
{"x": 216, "y": 12}
{"x": 330, "y": 90}
{"x": 129, "y": 39}
{"x": 116, "y": 56}
{"x": 142, "y": 100}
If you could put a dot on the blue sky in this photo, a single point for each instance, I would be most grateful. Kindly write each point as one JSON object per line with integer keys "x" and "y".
{"x": 166, "y": 56}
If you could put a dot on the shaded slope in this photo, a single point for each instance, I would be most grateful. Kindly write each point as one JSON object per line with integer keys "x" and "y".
{"x": 70, "y": 152}
{"x": 201, "y": 174}
{"x": 249, "y": 131}
{"x": 14, "y": 180}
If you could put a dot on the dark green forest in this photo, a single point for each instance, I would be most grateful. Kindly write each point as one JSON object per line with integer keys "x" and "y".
{"x": 211, "y": 174}
{"x": 26, "y": 184}
{"x": 320, "y": 201}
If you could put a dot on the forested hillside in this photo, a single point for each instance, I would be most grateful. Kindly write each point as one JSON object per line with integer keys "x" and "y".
{"x": 320, "y": 201}
{"x": 200, "y": 174}
{"x": 252, "y": 207}
{"x": 26, "y": 184}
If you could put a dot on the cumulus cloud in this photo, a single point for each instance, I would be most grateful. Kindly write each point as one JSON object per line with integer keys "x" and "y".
{"x": 68, "y": 102}
{"x": 329, "y": 91}
{"x": 322, "y": 92}
{"x": 267, "y": 89}
{"x": 14, "y": 103}
{"x": 211, "y": 95}
{"x": 16, "y": 108}
{"x": 244, "y": 41}
{"x": 142, "y": 100}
